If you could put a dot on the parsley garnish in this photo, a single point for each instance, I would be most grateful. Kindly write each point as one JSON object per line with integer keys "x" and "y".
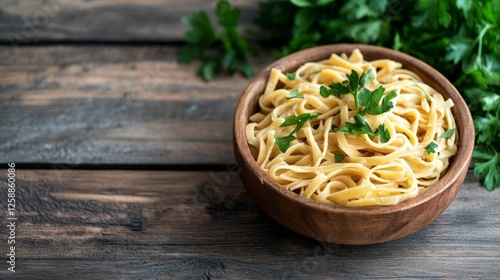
{"x": 295, "y": 94}
{"x": 291, "y": 76}
{"x": 284, "y": 142}
{"x": 430, "y": 148}
{"x": 448, "y": 133}
{"x": 300, "y": 120}
{"x": 339, "y": 158}
{"x": 383, "y": 133}
{"x": 370, "y": 100}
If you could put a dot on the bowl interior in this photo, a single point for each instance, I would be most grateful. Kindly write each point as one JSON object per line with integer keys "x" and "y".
{"x": 248, "y": 104}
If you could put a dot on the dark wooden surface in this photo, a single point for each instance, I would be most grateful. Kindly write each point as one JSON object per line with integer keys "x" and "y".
{"x": 120, "y": 21}
{"x": 97, "y": 104}
{"x": 177, "y": 212}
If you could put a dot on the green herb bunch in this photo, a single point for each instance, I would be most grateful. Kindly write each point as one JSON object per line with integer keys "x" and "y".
{"x": 460, "y": 38}
{"x": 224, "y": 51}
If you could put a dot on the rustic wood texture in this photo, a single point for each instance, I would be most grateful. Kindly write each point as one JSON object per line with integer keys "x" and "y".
{"x": 77, "y": 224}
{"x": 113, "y": 104}
{"x": 32, "y": 21}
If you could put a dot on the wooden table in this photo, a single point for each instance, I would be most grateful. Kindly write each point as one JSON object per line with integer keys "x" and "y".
{"x": 124, "y": 163}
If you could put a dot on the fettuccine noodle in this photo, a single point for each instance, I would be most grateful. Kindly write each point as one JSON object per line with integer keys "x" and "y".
{"x": 372, "y": 172}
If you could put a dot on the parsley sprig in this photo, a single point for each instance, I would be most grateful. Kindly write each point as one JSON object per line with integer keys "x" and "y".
{"x": 448, "y": 133}
{"x": 374, "y": 103}
{"x": 339, "y": 158}
{"x": 431, "y": 147}
{"x": 295, "y": 94}
{"x": 300, "y": 120}
{"x": 224, "y": 51}
{"x": 291, "y": 76}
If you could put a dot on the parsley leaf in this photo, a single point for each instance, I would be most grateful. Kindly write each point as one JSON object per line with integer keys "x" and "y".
{"x": 352, "y": 83}
{"x": 360, "y": 126}
{"x": 366, "y": 78}
{"x": 291, "y": 76}
{"x": 371, "y": 99}
{"x": 325, "y": 92}
{"x": 433, "y": 14}
{"x": 345, "y": 87}
{"x": 340, "y": 89}
{"x": 339, "y": 158}
{"x": 199, "y": 37}
{"x": 202, "y": 40}
{"x": 295, "y": 94}
{"x": 430, "y": 148}
{"x": 310, "y": 3}
{"x": 383, "y": 133}
{"x": 227, "y": 15}
{"x": 489, "y": 170}
{"x": 459, "y": 49}
{"x": 284, "y": 142}
{"x": 300, "y": 120}
{"x": 487, "y": 128}
{"x": 448, "y": 133}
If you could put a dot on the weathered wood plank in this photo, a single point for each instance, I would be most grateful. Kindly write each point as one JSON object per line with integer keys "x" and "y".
{"x": 33, "y": 21}
{"x": 113, "y": 104}
{"x": 300, "y": 267}
{"x": 192, "y": 225}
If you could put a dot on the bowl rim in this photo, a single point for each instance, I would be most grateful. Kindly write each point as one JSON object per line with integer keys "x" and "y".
{"x": 458, "y": 166}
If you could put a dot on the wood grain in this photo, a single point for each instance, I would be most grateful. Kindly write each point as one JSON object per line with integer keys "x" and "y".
{"x": 31, "y": 21}
{"x": 202, "y": 225}
{"x": 113, "y": 105}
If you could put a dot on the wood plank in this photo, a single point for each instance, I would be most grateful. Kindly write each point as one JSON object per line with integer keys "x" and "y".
{"x": 113, "y": 105}
{"x": 191, "y": 225}
{"x": 33, "y": 21}
{"x": 300, "y": 267}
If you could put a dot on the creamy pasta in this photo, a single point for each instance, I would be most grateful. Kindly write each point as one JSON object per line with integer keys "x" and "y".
{"x": 345, "y": 169}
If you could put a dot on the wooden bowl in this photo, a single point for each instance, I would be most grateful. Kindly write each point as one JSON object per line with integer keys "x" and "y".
{"x": 350, "y": 225}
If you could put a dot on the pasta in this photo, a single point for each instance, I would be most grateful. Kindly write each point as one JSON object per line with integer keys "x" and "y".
{"x": 369, "y": 172}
